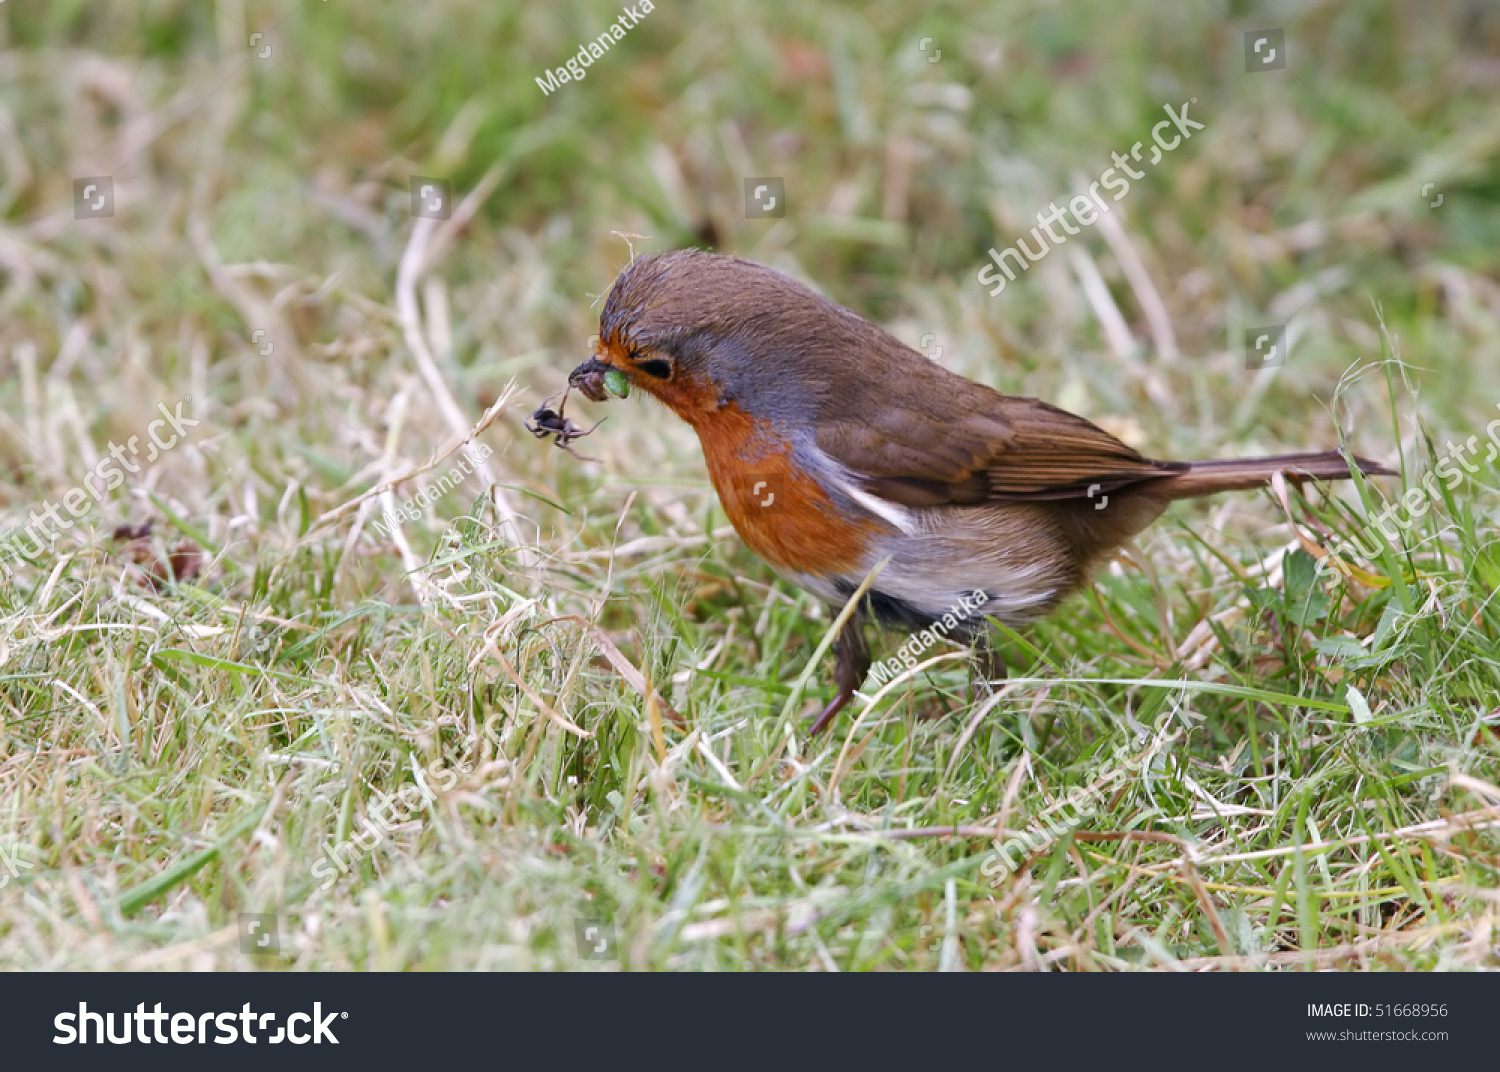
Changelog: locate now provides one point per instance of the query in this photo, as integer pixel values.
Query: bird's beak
(589, 379)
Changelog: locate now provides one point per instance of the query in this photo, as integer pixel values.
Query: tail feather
(1241, 474)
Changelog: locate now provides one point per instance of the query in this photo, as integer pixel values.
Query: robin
(833, 447)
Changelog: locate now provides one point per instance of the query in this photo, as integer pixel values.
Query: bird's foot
(829, 713)
(851, 662)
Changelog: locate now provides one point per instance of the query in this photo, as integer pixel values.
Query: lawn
(358, 654)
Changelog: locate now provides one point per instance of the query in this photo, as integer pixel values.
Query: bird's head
(701, 332)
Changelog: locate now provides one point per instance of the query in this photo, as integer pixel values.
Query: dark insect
(551, 422)
(184, 561)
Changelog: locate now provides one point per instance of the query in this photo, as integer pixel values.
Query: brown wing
(944, 439)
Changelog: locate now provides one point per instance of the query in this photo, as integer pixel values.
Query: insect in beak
(589, 379)
(546, 421)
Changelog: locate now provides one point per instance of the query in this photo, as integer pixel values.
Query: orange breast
(780, 512)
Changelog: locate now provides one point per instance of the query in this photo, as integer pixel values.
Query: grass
(1292, 769)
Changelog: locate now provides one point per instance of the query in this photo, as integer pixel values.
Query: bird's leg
(851, 662)
(988, 667)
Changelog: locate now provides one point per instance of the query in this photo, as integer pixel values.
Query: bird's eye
(656, 367)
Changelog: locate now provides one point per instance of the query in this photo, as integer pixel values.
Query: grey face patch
(772, 387)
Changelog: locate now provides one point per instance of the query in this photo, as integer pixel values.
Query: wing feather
(953, 441)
